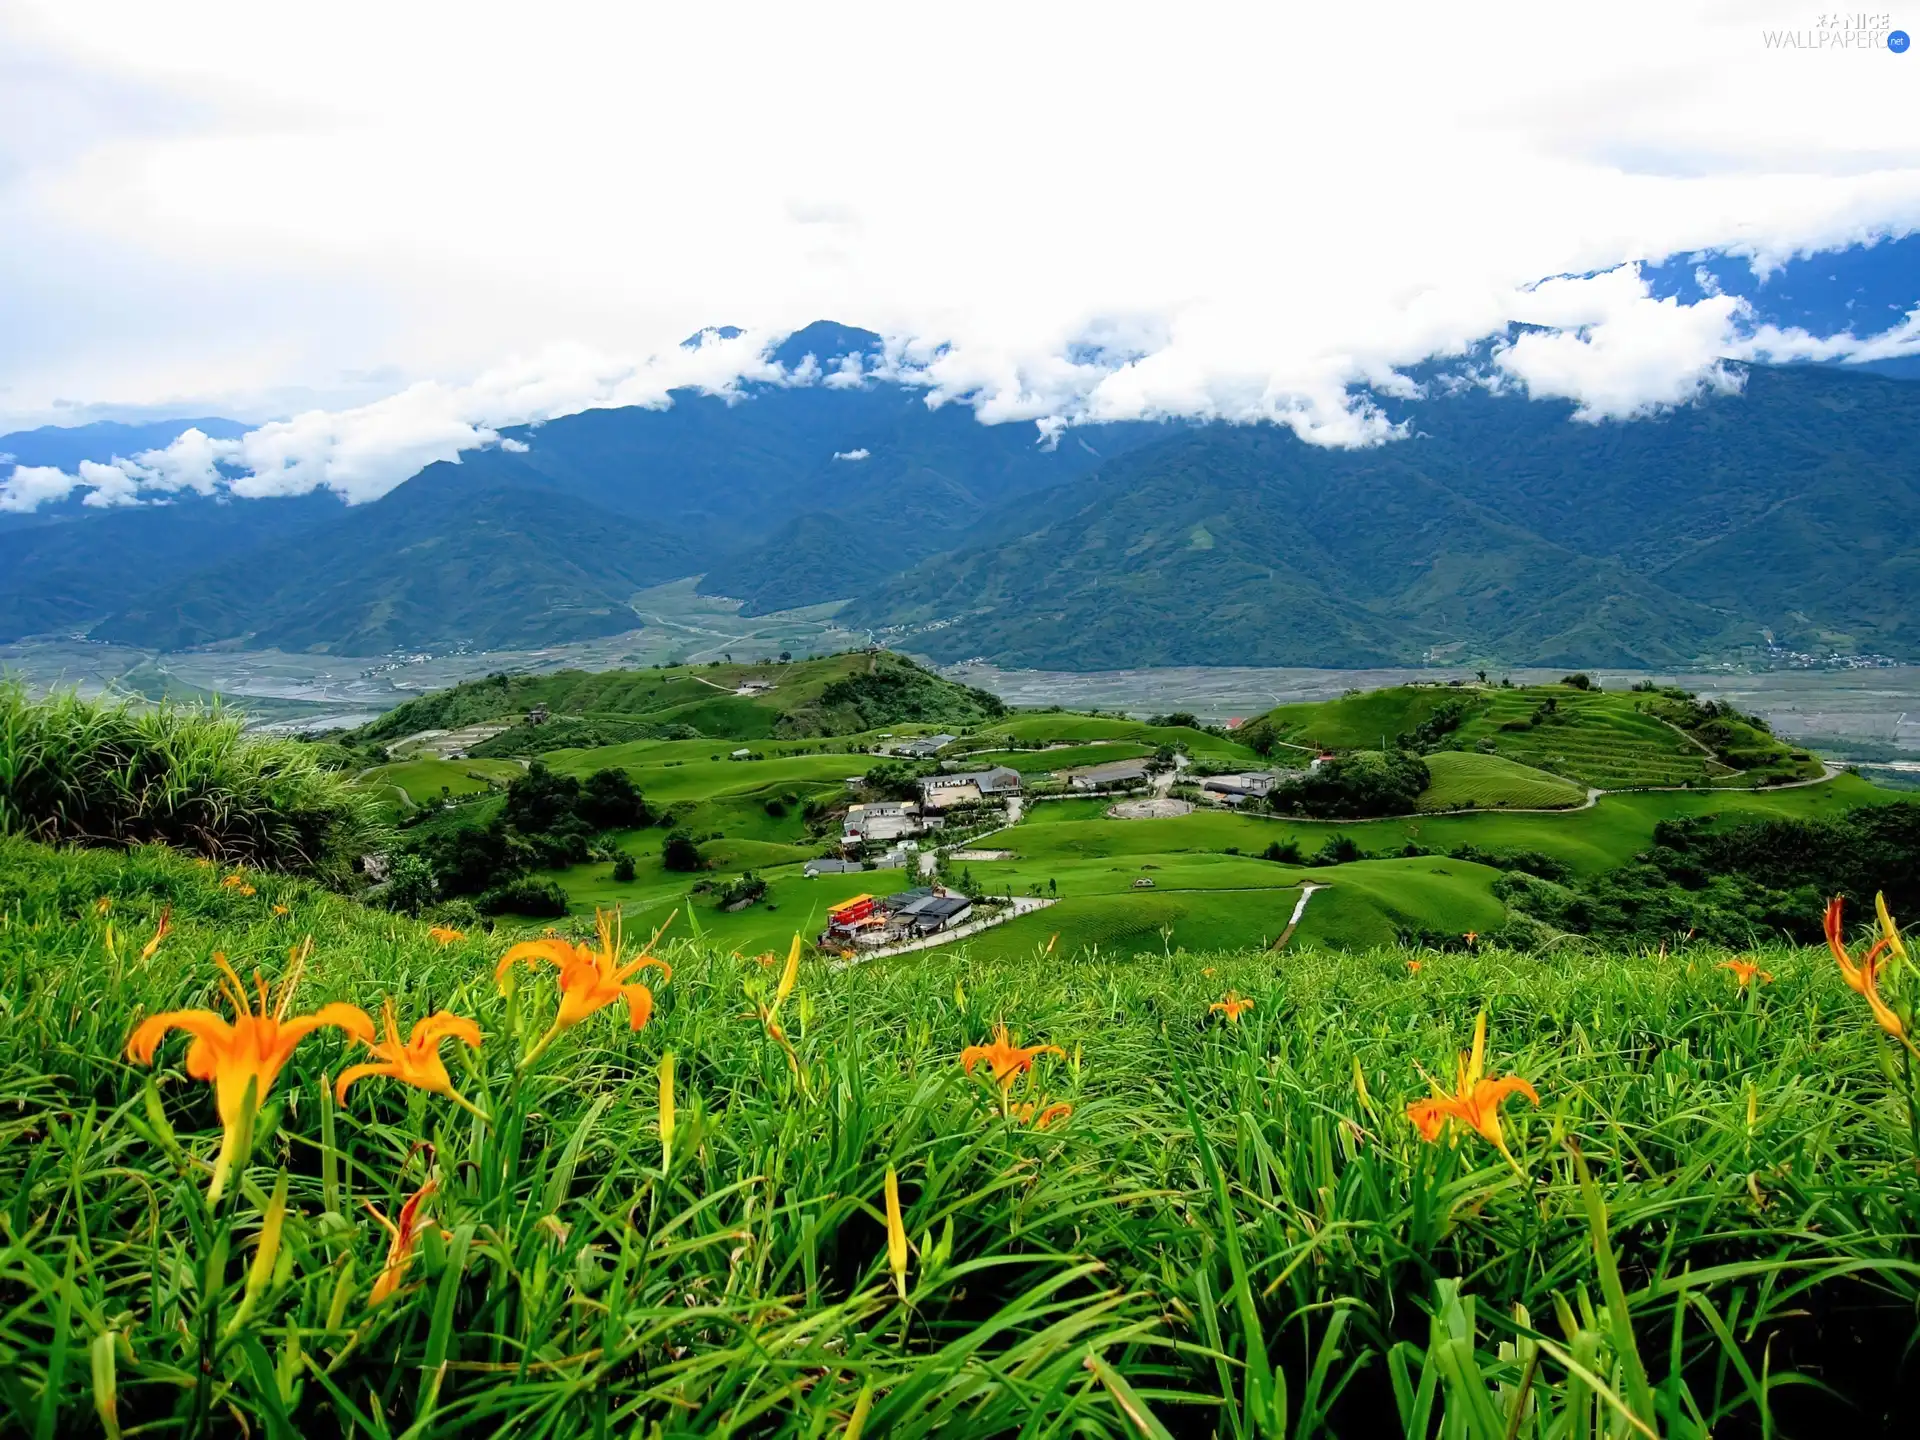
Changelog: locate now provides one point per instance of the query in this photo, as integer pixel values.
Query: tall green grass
(1710, 1225)
(108, 772)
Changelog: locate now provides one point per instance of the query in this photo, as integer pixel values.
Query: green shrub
(101, 772)
(526, 895)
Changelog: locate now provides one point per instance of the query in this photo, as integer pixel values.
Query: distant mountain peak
(829, 342)
(717, 332)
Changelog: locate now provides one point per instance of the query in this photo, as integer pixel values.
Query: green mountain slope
(1500, 529)
(461, 553)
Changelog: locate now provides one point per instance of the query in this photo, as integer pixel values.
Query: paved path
(1306, 894)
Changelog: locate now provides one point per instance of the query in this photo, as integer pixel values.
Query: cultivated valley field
(1514, 1110)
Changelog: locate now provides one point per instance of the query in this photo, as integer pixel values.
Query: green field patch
(425, 781)
(1047, 726)
(1466, 778)
(1046, 762)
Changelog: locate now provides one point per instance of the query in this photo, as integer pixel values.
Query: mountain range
(1500, 529)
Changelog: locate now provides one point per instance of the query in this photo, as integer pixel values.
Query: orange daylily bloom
(237, 881)
(1745, 971)
(401, 1238)
(1047, 1114)
(417, 1062)
(1004, 1057)
(1863, 977)
(590, 979)
(1413, 967)
(1233, 1007)
(1476, 1100)
(282, 910)
(1472, 937)
(160, 932)
(446, 934)
(250, 1048)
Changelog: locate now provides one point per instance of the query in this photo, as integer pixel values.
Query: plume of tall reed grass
(75, 770)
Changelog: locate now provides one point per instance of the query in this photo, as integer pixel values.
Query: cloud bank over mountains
(1605, 342)
(1056, 215)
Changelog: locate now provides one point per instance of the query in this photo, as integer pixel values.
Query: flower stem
(540, 1046)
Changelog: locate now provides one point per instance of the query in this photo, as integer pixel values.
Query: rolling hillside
(1612, 739)
(838, 694)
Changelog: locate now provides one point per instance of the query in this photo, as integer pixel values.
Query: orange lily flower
(1006, 1058)
(590, 979)
(1475, 1101)
(1233, 1007)
(248, 1050)
(237, 881)
(446, 934)
(1745, 971)
(401, 1238)
(417, 1062)
(282, 910)
(1472, 937)
(1026, 1115)
(1863, 977)
(1413, 967)
(160, 932)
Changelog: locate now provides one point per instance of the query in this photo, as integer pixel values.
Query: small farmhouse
(829, 866)
(1113, 775)
(1238, 789)
(938, 792)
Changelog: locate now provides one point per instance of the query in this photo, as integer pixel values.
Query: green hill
(1613, 739)
(835, 695)
(1464, 778)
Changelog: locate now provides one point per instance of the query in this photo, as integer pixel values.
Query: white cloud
(861, 454)
(1187, 237)
(29, 486)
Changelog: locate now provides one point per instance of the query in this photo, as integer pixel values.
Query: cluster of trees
(1733, 885)
(549, 820)
(1354, 787)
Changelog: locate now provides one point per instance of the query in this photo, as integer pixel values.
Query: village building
(858, 921)
(869, 923)
(1238, 789)
(925, 911)
(969, 787)
(1113, 775)
(923, 748)
(753, 687)
(881, 820)
(829, 866)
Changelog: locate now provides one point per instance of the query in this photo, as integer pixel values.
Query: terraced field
(1598, 740)
(1468, 779)
(1608, 739)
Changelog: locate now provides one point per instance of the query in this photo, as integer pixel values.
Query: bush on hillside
(1353, 787)
(101, 772)
(549, 820)
(680, 852)
(526, 895)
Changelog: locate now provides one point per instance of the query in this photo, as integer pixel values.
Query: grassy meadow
(1707, 1225)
